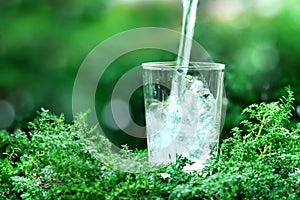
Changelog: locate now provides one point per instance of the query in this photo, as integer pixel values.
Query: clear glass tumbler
(183, 107)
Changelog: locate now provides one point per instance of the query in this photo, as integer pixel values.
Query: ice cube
(185, 126)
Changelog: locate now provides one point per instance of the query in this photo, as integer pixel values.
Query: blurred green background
(43, 43)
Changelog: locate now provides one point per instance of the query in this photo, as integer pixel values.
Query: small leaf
(8, 149)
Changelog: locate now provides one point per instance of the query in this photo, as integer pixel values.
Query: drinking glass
(183, 107)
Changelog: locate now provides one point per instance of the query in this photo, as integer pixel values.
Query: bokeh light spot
(265, 57)
(268, 8)
(7, 114)
(225, 10)
(264, 96)
(298, 110)
(23, 102)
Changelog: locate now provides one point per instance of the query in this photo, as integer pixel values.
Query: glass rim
(192, 65)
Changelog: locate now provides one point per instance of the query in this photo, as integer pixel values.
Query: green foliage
(54, 161)
(262, 159)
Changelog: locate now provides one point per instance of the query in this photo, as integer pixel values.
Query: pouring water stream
(184, 52)
(184, 122)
